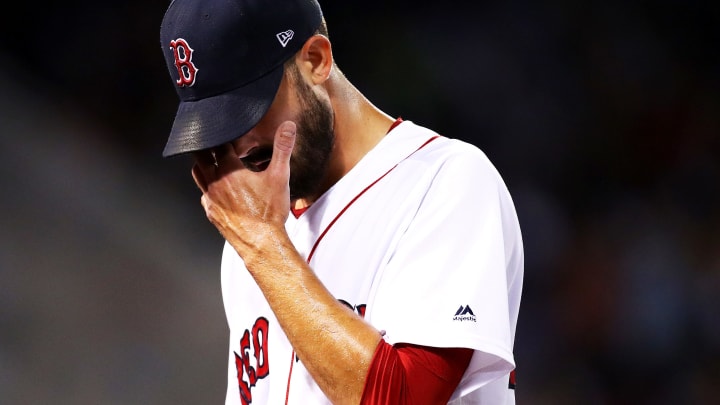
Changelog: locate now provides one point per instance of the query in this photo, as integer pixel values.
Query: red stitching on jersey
(322, 235)
(287, 390)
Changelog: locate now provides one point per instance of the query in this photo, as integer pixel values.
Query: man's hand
(243, 204)
(249, 209)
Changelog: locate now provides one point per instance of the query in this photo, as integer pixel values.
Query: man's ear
(315, 59)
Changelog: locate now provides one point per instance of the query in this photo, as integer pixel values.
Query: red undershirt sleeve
(412, 374)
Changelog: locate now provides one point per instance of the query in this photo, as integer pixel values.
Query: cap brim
(213, 121)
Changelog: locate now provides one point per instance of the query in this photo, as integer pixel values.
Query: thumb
(283, 145)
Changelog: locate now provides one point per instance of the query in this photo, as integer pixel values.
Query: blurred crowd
(603, 117)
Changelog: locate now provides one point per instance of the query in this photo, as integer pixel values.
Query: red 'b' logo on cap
(183, 62)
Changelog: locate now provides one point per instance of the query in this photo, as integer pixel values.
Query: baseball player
(367, 259)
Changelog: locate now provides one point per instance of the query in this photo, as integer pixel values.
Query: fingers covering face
(203, 170)
(211, 164)
(283, 145)
(225, 157)
(199, 178)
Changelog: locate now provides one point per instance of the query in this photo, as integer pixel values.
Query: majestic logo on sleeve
(183, 62)
(464, 313)
(252, 361)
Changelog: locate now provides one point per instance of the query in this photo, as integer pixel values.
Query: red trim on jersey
(416, 375)
(322, 235)
(299, 211)
(397, 122)
(287, 390)
(324, 232)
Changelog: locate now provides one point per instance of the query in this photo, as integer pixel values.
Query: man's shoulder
(409, 131)
(445, 149)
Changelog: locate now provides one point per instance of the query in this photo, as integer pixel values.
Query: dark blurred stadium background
(603, 116)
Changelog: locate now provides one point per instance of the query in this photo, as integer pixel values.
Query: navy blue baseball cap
(225, 58)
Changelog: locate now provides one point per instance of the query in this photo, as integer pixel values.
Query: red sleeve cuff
(412, 374)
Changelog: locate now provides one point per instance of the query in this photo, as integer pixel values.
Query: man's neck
(359, 126)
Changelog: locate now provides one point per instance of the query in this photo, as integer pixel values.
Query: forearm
(335, 345)
(250, 209)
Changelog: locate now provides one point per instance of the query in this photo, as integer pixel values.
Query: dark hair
(323, 30)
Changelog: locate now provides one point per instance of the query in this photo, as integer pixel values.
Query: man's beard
(313, 144)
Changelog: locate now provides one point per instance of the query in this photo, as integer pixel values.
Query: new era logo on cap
(285, 37)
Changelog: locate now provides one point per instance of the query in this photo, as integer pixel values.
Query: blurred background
(602, 116)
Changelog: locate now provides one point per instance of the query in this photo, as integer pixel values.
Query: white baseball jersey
(422, 239)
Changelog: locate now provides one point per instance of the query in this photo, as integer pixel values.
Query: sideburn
(314, 145)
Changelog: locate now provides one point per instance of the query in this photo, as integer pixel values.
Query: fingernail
(288, 128)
